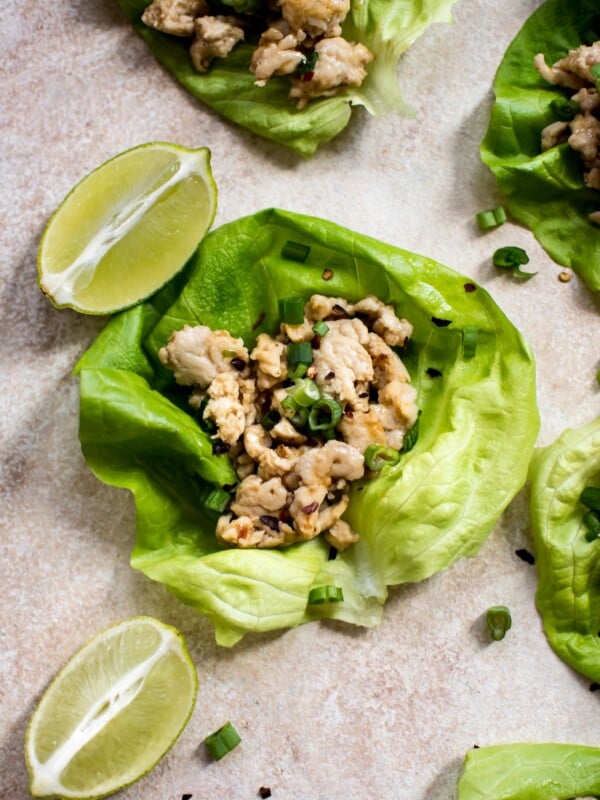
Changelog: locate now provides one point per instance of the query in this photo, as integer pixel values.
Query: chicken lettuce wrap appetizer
(543, 139)
(288, 70)
(531, 772)
(306, 416)
(565, 518)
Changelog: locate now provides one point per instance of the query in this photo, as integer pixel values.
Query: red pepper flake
(327, 274)
(470, 287)
(308, 76)
(310, 508)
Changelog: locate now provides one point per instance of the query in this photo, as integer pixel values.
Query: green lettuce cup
(229, 89)
(568, 594)
(475, 381)
(530, 772)
(544, 190)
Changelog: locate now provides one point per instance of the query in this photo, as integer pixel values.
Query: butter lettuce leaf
(478, 426)
(568, 594)
(387, 29)
(545, 771)
(544, 191)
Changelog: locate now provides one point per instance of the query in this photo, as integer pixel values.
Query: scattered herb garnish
(469, 341)
(512, 258)
(324, 414)
(291, 310)
(490, 219)
(595, 73)
(322, 594)
(320, 328)
(378, 456)
(564, 108)
(308, 64)
(294, 251)
(498, 620)
(222, 741)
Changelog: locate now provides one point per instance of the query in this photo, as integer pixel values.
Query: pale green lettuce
(544, 191)
(530, 772)
(478, 426)
(386, 28)
(568, 595)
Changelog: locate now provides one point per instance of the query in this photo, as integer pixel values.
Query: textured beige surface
(326, 712)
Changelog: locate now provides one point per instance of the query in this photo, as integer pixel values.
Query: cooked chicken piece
(174, 16)
(573, 70)
(556, 75)
(225, 407)
(319, 306)
(592, 179)
(394, 331)
(387, 365)
(316, 17)
(585, 138)
(588, 99)
(319, 465)
(276, 53)
(243, 464)
(298, 333)
(342, 364)
(278, 461)
(257, 498)
(362, 428)
(554, 134)
(284, 431)
(252, 532)
(397, 410)
(304, 509)
(196, 354)
(339, 63)
(341, 535)
(271, 358)
(215, 38)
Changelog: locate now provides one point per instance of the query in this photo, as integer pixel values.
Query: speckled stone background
(326, 711)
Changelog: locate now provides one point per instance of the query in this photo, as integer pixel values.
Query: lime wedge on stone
(127, 228)
(112, 712)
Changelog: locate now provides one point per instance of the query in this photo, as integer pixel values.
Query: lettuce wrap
(530, 772)
(387, 29)
(568, 594)
(544, 190)
(478, 426)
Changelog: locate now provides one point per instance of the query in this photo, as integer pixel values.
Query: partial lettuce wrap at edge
(478, 426)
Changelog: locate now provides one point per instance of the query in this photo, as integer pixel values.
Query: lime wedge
(127, 228)
(112, 712)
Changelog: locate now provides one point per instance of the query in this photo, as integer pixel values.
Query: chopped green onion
(217, 500)
(305, 392)
(207, 424)
(291, 310)
(229, 353)
(564, 108)
(324, 414)
(289, 405)
(592, 522)
(469, 341)
(590, 497)
(320, 328)
(295, 251)
(490, 219)
(498, 621)
(308, 64)
(222, 741)
(270, 419)
(410, 439)
(299, 353)
(299, 371)
(512, 258)
(377, 456)
(329, 594)
(595, 73)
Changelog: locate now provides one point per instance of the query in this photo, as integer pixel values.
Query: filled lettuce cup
(288, 71)
(545, 771)
(542, 142)
(413, 505)
(565, 519)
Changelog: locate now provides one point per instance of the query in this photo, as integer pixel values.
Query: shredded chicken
(276, 53)
(215, 38)
(294, 484)
(583, 131)
(176, 17)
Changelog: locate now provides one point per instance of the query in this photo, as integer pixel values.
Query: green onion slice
(291, 310)
(222, 741)
(564, 108)
(469, 341)
(304, 392)
(490, 219)
(299, 371)
(217, 500)
(498, 621)
(326, 594)
(295, 251)
(512, 258)
(308, 63)
(324, 414)
(270, 419)
(595, 73)
(299, 353)
(590, 497)
(320, 328)
(377, 456)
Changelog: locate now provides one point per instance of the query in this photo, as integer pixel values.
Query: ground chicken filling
(302, 415)
(302, 39)
(576, 72)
